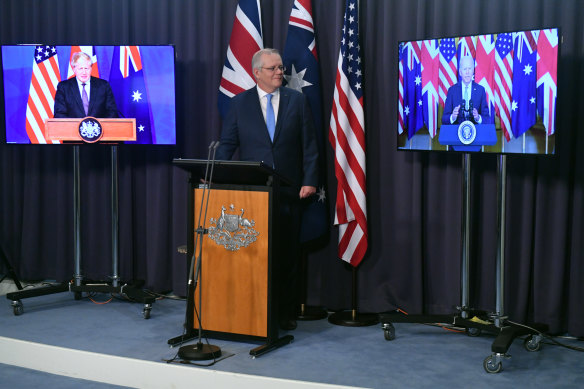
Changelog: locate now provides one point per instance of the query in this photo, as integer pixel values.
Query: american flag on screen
(347, 137)
(547, 77)
(87, 50)
(448, 68)
(302, 73)
(484, 70)
(401, 122)
(246, 39)
(504, 81)
(41, 95)
(430, 68)
(523, 105)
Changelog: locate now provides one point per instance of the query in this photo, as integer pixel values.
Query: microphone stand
(200, 351)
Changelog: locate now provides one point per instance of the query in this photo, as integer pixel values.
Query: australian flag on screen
(302, 73)
(129, 88)
(523, 105)
(413, 110)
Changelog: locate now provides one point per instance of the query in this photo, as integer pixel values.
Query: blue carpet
(420, 357)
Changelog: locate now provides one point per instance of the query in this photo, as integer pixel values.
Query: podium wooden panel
(234, 284)
(67, 129)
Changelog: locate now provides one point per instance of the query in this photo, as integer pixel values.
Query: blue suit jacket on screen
(454, 98)
(68, 102)
(293, 153)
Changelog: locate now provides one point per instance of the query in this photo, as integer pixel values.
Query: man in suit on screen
(273, 124)
(84, 95)
(466, 100)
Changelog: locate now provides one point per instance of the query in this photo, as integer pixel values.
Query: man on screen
(273, 124)
(84, 95)
(466, 100)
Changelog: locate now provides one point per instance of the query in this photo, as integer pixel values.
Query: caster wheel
(388, 331)
(491, 366)
(146, 311)
(472, 331)
(532, 344)
(17, 308)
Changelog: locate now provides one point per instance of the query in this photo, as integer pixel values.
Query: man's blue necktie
(270, 117)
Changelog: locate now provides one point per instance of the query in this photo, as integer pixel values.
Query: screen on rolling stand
(492, 93)
(142, 80)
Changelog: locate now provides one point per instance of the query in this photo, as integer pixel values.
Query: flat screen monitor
(492, 93)
(141, 79)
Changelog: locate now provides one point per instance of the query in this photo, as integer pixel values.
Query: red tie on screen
(85, 99)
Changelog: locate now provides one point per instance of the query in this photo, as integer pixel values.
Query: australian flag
(129, 88)
(523, 106)
(413, 109)
(302, 73)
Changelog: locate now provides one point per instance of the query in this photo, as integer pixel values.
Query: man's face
(82, 69)
(466, 70)
(269, 77)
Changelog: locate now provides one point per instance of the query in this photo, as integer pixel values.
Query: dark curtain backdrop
(414, 199)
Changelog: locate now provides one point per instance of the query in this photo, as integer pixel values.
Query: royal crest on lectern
(90, 130)
(232, 230)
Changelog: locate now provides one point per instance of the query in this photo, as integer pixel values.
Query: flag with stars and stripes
(401, 120)
(302, 74)
(523, 104)
(347, 137)
(504, 81)
(246, 40)
(41, 96)
(129, 88)
(448, 68)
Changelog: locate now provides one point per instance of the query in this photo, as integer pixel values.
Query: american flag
(87, 50)
(41, 95)
(401, 123)
(448, 65)
(301, 61)
(246, 39)
(430, 68)
(504, 81)
(547, 81)
(484, 70)
(347, 137)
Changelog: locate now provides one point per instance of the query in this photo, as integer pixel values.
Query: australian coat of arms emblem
(232, 230)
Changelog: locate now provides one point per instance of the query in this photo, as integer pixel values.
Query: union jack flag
(484, 70)
(41, 95)
(430, 69)
(448, 65)
(246, 40)
(504, 81)
(547, 73)
(347, 137)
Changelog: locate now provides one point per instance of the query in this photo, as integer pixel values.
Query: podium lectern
(486, 135)
(114, 129)
(237, 284)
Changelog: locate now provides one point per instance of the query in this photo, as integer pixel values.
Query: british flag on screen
(246, 39)
(347, 137)
(547, 81)
(41, 95)
(448, 68)
(430, 68)
(484, 70)
(504, 81)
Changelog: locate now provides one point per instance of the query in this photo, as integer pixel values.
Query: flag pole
(352, 317)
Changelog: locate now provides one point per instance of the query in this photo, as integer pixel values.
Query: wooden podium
(67, 130)
(236, 284)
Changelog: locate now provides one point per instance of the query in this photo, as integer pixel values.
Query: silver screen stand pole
(115, 225)
(76, 217)
(500, 266)
(465, 235)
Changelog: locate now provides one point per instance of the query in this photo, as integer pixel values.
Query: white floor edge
(131, 372)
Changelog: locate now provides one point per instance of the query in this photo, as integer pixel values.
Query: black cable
(549, 337)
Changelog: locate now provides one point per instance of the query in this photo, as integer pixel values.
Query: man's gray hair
(256, 60)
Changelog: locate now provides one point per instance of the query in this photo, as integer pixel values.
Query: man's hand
(307, 191)
(455, 111)
(475, 114)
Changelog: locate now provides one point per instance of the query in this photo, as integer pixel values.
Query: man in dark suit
(464, 95)
(273, 124)
(84, 95)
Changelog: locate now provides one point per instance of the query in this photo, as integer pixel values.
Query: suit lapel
(284, 100)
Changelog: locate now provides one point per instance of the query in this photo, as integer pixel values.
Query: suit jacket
(293, 153)
(454, 98)
(68, 102)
